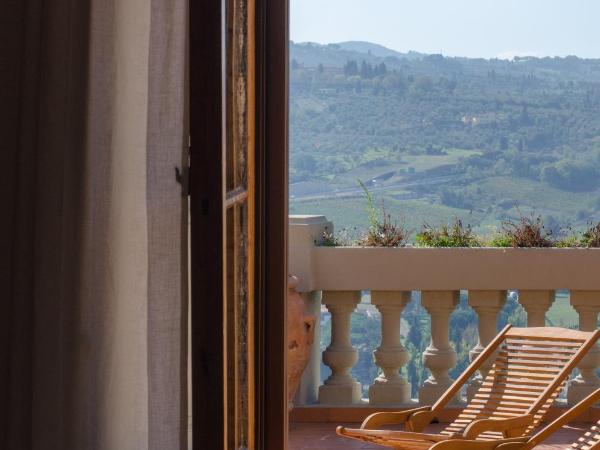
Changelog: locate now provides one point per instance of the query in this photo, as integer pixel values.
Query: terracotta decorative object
(301, 334)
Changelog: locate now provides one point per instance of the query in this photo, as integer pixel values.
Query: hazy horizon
(469, 28)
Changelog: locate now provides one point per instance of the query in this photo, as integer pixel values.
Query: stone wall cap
(306, 219)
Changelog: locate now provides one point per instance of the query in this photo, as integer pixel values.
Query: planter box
(357, 268)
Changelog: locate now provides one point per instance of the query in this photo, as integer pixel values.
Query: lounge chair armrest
(375, 420)
(512, 427)
(469, 444)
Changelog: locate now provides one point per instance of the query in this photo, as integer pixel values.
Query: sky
(472, 28)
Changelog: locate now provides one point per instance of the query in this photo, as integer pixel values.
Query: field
(378, 162)
(509, 197)
(351, 213)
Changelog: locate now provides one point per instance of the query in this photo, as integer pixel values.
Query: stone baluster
(439, 357)
(391, 356)
(340, 388)
(487, 305)
(587, 305)
(536, 304)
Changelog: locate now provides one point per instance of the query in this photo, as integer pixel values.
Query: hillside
(439, 137)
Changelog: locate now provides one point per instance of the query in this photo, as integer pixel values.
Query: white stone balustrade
(587, 305)
(335, 277)
(439, 357)
(340, 388)
(390, 387)
(487, 305)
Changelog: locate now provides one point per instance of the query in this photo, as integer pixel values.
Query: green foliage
(344, 238)
(382, 232)
(572, 175)
(591, 237)
(454, 235)
(561, 313)
(463, 335)
(306, 163)
(499, 240)
(512, 313)
(329, 240)
(365, 337)
(417, 340)
(371, 210)
(527, 232)
(567, 242)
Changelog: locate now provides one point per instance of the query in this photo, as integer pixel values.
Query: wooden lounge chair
(531, 366)
(589, 441)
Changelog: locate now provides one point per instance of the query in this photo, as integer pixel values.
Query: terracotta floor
(321, 436)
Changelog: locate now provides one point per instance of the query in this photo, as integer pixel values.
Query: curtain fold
(93, 274)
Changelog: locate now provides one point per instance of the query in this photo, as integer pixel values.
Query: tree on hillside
(572, 175)
(423, 84)
(351, 69)
(306, 163)
(380, 69)
(366, 70)
(524, 118)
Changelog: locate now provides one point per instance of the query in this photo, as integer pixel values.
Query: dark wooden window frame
(272, 40)
(206, 207)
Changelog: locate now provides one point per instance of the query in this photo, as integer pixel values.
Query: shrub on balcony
(385, 234)
(591, 237)
(455, 235)
(524, 232)
(568, 242)
(344, 238)
(499, 239)
(383, 231)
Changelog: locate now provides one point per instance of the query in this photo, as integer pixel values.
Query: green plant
(382, 231)
(591, 237)
(371, 210)
(527, 232)
(569, 239)
(328, 239)
(568, 242)
(500, 240)
(454, 235)
(343, 238)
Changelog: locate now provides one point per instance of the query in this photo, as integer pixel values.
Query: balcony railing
(336, 276)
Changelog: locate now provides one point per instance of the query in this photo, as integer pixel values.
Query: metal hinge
(183, 177)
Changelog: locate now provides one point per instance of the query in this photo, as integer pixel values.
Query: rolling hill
(438, 137)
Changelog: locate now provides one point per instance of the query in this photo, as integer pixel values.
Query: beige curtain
(92, 259)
